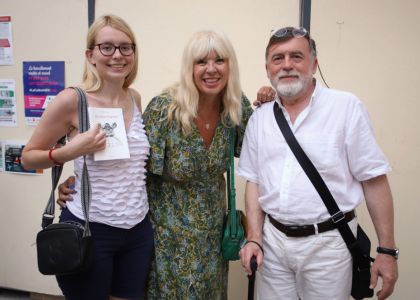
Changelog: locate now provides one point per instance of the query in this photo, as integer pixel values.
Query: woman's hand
(265, 94)
(88, 142)
(65, 190)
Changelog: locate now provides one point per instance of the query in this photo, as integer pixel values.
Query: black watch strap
(389, 251)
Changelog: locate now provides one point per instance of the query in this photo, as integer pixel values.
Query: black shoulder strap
(48, 214)
(86, 193)
(336, 214)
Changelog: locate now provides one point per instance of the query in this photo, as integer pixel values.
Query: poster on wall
(12, 158)
(42, 81)
(7, 103)
(2, 157)
(6, 45)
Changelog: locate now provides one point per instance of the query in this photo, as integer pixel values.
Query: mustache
(283, 73)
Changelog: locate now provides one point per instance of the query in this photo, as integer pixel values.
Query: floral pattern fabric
(187, 199)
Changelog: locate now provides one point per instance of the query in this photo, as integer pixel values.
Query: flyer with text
(12, 158)
(6, 44)
(42, 81)
(8, 116)
(112, 123)
(2, 157)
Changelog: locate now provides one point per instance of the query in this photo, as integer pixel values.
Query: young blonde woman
(121, 231)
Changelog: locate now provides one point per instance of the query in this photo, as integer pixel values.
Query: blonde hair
(184, 106)
(91, 79)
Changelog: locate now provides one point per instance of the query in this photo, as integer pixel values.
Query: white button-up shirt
(335, 132)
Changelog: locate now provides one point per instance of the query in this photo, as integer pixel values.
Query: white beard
(290, 89)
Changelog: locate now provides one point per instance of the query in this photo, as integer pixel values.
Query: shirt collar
(317, 91)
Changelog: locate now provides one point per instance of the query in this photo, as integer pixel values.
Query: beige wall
(367, 47)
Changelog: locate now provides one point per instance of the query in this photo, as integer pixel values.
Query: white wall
(367, 47)
(42, 30)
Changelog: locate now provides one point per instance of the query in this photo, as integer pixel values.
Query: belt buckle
(337, 217)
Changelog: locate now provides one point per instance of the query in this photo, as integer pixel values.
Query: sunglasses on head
(290, 31)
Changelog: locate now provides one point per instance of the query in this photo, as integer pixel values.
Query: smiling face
(290, 67)
(116, 66)
(211, 75)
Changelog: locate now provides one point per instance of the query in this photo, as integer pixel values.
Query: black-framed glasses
(108, 49)
(291, 31)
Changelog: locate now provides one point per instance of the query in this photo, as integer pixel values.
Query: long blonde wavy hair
(184, 106)
(91, 79)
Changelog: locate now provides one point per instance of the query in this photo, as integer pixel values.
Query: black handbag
(65, 248)
(359, 247)
(233, 228)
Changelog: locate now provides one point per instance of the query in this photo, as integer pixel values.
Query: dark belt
(305, 230)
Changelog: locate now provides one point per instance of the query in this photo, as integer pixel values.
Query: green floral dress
(187, 198)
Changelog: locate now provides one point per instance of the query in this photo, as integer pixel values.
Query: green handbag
(233, 230)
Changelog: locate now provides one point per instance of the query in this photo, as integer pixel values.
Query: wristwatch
(389, 251)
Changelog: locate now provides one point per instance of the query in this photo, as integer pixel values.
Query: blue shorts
(122, 259)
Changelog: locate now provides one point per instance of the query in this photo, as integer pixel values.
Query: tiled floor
(13, 295)
(7, 294)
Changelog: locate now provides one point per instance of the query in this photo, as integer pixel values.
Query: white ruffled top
(119, 196)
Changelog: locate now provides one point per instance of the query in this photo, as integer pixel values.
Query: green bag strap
(231, 183)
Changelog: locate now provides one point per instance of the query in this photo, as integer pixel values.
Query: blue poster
(42, 81)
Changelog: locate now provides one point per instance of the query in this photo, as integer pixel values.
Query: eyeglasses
(108, 49)
(293, 31)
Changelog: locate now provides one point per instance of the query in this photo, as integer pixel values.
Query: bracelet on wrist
(57, 163)
(258, 244)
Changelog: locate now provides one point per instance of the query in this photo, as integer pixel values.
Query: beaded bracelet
(52, 159)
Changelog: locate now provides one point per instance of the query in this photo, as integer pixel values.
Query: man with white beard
(304, 255)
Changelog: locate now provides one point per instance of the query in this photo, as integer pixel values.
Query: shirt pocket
(323, 151)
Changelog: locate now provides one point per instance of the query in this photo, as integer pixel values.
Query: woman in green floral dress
(188, 130)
